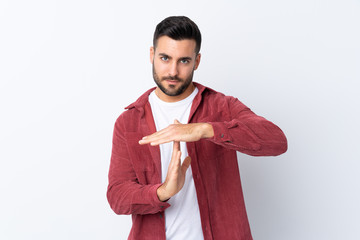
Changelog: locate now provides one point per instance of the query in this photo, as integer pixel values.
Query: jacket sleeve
(125, 194)
(247, 132)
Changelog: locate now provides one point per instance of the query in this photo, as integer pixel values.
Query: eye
(164, 58)
(184, 61)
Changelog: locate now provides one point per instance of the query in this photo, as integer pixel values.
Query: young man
(174, 164)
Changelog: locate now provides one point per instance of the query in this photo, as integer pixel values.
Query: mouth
(172, 81)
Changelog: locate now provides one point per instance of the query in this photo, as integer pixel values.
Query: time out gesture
(177, 133)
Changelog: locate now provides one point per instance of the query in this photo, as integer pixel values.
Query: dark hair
(178, 28)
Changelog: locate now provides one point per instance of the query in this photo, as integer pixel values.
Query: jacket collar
(143, 99)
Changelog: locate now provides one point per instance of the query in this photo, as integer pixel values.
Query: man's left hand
(179, 132)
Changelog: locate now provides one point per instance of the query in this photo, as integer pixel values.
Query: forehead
(171, 47)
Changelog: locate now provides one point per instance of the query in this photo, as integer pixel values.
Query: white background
(68, 68)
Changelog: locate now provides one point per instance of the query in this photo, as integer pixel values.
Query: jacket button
(222, 135)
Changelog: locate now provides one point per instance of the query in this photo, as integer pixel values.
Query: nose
(173, 69)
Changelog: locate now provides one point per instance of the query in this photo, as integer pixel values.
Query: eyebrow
(164, 55)
(186, 58)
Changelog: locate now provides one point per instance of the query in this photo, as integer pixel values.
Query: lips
(172, 81)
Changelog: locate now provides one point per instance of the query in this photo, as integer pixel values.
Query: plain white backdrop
(68, 68)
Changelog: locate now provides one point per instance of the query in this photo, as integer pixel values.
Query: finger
(175, 159)
(186, 163)
(176, 154)
(149, 138)
(163, 136)
(157, 140)
(157, 133)
(176, 146)
(152, 138)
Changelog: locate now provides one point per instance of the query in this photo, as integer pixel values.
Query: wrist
(161, 194)
(208, 131)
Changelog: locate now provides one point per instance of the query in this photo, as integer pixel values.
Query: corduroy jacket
(135, 170)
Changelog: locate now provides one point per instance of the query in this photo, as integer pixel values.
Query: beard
(172, 90)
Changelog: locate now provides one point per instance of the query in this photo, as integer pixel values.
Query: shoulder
(213, 96)
(212, 101)
(141, 101)
(134, 111)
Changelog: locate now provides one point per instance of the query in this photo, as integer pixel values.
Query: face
(174, 62)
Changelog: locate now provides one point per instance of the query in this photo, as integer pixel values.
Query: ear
(152, 54)
(197, 61)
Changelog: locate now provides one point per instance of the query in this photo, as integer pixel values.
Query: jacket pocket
(141, 158)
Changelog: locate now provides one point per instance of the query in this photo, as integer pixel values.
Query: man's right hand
(175, 177)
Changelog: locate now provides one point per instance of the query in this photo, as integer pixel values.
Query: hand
(175, 177)
(179, 132)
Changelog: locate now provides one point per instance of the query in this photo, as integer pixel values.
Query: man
(174, 164)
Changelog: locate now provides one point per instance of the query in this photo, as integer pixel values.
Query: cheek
(159, 68)
(186, 70)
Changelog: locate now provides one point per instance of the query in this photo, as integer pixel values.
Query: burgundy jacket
(135, 170)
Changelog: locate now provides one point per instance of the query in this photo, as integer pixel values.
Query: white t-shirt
(182, 218)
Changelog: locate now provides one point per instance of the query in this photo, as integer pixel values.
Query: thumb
(186, 163)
